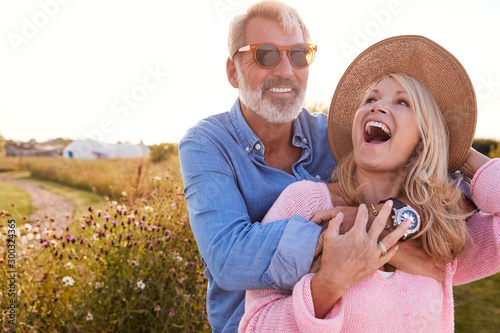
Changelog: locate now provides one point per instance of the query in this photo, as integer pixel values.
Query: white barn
(88, 149)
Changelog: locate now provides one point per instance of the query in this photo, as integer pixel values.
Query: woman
(419, 98)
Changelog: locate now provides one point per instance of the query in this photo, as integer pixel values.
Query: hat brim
(422, 59)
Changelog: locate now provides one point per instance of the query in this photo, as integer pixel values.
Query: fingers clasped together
(348, 258)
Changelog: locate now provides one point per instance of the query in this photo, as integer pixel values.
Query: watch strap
(397, 204)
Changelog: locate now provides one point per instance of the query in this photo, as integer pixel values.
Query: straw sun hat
(422, 59)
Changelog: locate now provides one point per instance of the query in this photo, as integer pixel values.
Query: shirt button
(257, 146)
(247, 148)
(304, 140)
(318, 177)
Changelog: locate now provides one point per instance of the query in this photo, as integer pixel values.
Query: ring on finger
(382, 247)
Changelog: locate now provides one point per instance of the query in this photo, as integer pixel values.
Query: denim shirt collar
(250, 141)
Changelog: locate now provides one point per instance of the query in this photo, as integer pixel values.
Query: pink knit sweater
(402, 303)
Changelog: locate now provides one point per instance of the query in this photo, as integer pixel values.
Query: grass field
(134, 260)
(12, 194)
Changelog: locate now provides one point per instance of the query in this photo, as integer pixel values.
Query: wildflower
(106, 216)
(27, 227)
(91, 209)
(68, 281)
(121, 208)
(148, 209)
(134, 263)
(124, 194)
(83, 226)
(157, 308)
(153, 227)
(168, 177)
(98, 285)
(113, 222)
(178, 258)
(89, 317)
(171, 312)
(69, 265)
(95, 237)
(99, 213)
(114, 203)
(141, 284)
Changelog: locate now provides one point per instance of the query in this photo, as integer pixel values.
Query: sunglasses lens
(267, 55)
(301, 55)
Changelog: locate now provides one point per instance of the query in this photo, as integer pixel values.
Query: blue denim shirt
(228, 189)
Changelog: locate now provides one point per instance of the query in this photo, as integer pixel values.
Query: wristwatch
(403, 212)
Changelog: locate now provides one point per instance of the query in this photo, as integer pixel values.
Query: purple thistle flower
(106, 216)
(91, 208)
(45, 244)
(99, 213)
(114, 222)
(83, 226)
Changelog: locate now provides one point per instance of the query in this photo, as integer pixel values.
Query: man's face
(276, 94)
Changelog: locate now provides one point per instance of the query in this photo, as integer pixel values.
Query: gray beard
(276, 110)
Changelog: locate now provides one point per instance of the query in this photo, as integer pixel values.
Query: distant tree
(2, 146)
(494, 153)
(315, 106)
(163, 151)
(484, 146)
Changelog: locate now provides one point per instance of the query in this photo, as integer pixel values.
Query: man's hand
(411, 258)
(322, 218)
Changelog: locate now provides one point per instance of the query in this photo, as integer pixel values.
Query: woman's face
(385, 130)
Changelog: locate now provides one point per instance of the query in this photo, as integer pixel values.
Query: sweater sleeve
(481, 256)
(281, 311)
(302, 198)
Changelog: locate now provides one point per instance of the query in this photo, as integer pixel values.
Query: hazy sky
(130, 70)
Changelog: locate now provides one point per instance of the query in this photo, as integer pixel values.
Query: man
(235, 164)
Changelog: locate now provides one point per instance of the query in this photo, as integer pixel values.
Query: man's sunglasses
(268, 55)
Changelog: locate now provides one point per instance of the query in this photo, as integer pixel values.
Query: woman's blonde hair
(427, 183)
(278, 11)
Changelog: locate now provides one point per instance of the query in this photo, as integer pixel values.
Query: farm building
(88, 149)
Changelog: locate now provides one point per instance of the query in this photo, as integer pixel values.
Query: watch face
(412, 216)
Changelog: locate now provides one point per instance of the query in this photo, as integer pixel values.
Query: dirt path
(49, 204)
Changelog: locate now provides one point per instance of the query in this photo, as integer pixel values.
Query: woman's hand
(349, 258)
